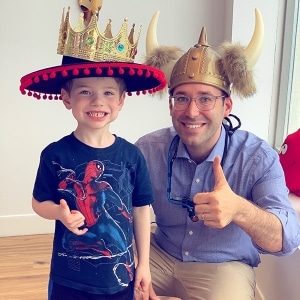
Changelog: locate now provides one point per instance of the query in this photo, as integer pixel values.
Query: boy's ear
(122, 99)
(65, 98)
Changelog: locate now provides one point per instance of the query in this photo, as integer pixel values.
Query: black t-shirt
(103, 184)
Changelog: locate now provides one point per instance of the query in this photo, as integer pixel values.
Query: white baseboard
(14, 225)
(25, 225)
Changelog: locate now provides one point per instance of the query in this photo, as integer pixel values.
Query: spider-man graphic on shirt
(103, 210)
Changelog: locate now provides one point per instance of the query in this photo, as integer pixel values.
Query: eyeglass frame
(190, 99)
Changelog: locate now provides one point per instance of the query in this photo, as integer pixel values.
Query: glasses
(185, 202)
(204, 102)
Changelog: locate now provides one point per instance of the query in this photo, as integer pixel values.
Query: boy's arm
(52, 211)
(141, 227)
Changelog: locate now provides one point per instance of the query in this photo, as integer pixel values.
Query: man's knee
(166, 285)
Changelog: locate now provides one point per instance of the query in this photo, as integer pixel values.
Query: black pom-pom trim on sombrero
(47, 83)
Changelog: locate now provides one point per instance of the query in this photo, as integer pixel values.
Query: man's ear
(65, 98)
(170, 106)
(228, 106)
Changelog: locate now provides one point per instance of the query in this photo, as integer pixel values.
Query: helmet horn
(151, 37)
(253, 50)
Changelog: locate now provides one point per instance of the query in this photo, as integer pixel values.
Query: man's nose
(192, 109)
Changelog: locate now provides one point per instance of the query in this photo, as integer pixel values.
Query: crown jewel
(88, 43)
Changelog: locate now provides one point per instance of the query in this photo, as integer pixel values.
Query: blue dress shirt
(253, 171)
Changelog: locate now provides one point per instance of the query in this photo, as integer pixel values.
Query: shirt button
(191, 232)
(197, 180)
(186, 253)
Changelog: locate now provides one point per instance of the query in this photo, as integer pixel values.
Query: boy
(93, 183)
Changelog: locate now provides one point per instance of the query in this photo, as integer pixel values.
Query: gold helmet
(229, 68)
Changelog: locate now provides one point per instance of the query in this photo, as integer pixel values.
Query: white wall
(259, 113)
(255, 112)
(278, 278)
(29, 35)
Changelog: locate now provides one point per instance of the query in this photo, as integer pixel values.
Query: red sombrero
(89, 53)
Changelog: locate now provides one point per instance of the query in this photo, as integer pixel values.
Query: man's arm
(263, 227)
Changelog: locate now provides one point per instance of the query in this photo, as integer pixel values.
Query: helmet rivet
(192, 75)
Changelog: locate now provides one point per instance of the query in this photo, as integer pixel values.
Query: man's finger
(220, 178)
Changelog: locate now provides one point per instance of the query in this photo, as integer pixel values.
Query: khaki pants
(200, 281)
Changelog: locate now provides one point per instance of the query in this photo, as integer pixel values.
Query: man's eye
(182, 99)
(205, 99)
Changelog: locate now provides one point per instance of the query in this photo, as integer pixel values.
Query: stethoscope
(187, 202)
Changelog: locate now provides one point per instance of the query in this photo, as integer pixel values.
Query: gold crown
(88, 43)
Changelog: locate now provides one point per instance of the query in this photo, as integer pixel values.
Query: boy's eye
(85, 92)
(108, 93)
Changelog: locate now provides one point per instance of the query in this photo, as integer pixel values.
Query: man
(220, 194)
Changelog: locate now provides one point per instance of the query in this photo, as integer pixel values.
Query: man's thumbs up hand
(216, 208)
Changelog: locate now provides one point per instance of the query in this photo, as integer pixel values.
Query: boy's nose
(97, 100)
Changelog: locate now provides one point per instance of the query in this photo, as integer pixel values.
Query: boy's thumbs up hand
(72, 219)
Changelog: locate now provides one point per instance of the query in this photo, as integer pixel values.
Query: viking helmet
(229, 68)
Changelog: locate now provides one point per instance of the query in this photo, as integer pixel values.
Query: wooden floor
(24, 267)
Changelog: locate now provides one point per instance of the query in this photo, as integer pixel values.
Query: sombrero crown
(88, 52)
